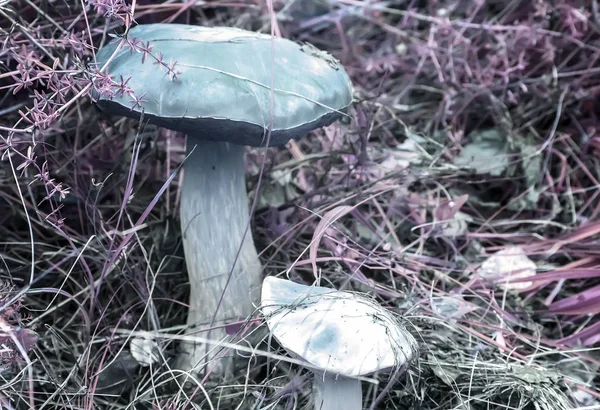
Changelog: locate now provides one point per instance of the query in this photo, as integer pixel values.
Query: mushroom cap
(335, 331)
(224, 90)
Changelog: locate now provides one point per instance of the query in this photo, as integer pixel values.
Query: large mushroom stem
(336, 392)
(214, 215)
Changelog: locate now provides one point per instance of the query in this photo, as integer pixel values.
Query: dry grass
(390, 202)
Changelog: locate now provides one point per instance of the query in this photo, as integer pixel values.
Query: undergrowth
(475, 129)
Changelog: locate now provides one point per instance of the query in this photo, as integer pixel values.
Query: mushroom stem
(336, 392)
(214, 215)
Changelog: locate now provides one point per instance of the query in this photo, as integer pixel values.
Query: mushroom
(340, 335)
(229, 87)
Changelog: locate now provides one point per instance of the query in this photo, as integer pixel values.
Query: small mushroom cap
(224, 90)
(338, 332)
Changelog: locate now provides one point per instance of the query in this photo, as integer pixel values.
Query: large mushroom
(340, 335)
(231, 87)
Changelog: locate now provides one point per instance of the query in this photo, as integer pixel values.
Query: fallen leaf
(144, 350)
(457, 226)
(487, 153)
(452, 306)
(448, 208)
(509, 263)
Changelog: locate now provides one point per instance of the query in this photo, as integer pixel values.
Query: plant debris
(506, 265)
(475, 131)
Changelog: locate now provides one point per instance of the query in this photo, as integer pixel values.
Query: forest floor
(472, 152)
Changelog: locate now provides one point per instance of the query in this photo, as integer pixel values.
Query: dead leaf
(487, 153)
(458, 226)
(448, 208)
(452, 306)
(509, 263)
(144, 350)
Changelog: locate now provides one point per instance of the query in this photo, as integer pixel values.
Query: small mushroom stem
(335, 392)
(214, 214)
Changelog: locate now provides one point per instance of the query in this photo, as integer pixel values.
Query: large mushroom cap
(224, 89)
(338, 332)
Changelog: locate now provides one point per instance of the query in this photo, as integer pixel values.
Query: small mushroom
(341, 335)
(224, 88)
